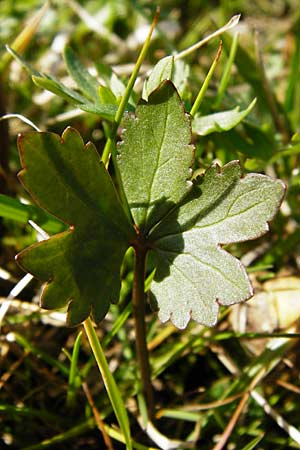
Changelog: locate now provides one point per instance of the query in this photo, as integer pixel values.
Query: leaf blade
(105, 111)
(81, 265)
(163, 70)
(220, 121)
(155, 168)
(194, 274)
(57, 88)
(87, 84)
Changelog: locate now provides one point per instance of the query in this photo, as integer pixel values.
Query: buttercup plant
(156, 206)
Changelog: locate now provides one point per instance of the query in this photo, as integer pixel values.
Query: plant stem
(140, 327)
(109, 146)
(226, 73)
(205, 84)
(111, 387)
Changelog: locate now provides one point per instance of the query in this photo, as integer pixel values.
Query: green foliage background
(192, 369)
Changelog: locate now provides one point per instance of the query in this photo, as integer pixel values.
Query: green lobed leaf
(81, 266)
(194, 273)
(221, 121)
(184, 223)
(155, 156)
(186, 226)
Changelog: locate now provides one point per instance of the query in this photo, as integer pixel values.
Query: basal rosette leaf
(194, 273)
(156, 156)
(186, 225)
(81, 266)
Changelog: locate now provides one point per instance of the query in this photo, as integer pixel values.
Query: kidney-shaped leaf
(82, 265)
(194, 273)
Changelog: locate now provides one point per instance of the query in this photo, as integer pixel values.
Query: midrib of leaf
(171, 262)
(227, 216)
(204, 263)
(192, 222)
(211, 224)
(244, 210)
(215, 268)
(158, 157)
(235, 200)
(201, 227)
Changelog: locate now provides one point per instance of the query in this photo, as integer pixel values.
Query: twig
(6, 376)
(231, 424)
(98, 420)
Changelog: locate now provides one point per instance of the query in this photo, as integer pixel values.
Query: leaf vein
(158, 156)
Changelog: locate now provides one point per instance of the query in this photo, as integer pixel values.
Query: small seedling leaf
(86, 83)
(82, 265)
(106, 96)
(111, 80)
(105, 111)
(163, 70)
(57, 88)
(89, 101)
(30, 69)
(219, 122)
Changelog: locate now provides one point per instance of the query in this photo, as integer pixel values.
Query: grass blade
(73, 375)
(109, 382)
